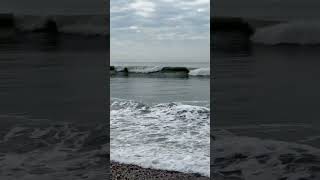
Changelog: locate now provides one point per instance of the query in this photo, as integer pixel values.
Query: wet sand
(133, 172)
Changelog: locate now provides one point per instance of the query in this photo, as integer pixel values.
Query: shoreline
(121, 171)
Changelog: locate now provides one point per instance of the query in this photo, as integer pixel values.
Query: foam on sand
(169, 136)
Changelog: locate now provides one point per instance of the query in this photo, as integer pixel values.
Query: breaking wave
(69, 24)
(159, 71)
(200, 72)
(169, 136)
(295, 33)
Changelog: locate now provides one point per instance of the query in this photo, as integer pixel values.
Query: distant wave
(294, 33)
(169, 136)
(159, 71)
(246, 158)
(274, 32)
(239, 24)
(69, 24)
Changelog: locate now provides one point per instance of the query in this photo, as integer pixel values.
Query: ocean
(52, 91)
(160, 115)
(266, 97)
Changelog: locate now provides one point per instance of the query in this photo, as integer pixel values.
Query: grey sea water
(267, 91)
(162, 122)
(52, 108)
(265, 103)
(52, 77)
(155, 90)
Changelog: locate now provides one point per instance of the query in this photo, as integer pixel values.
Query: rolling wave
(291, 33)
(68, 24)
(200, 72)
(273, 32)
(159, 71)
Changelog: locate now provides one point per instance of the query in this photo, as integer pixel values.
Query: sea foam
(171, 136)
(59, 151)
(200, 72)
(249, 158)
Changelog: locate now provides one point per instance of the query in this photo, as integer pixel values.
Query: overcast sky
(160, 30)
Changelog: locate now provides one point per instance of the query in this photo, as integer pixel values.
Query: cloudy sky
(160, 30)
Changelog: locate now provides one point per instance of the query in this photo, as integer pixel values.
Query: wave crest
(159, 71)
(68, 24)
(200, 72)
(296, 33)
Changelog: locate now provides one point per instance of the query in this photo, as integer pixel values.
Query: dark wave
(66, 24)
(231, 24)
(158, 71)
(247, 26)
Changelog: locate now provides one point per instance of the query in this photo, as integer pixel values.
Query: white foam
(298, 32)
(140, 69)
(252, 158)
(60, 151)
(200, 72)
(165, 136)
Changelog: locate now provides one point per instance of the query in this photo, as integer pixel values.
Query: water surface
(267, 91)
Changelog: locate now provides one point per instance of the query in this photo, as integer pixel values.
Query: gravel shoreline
(133, 172)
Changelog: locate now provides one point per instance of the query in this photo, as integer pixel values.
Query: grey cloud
(161, 28)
